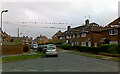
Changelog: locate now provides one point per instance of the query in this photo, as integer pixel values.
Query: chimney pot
(68, 27)
(87, 22)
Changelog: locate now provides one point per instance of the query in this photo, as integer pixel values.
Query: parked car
(51, 50)
(40, 48)
(44, 48)
(35, 46)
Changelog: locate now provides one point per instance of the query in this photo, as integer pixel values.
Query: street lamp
(1, 29)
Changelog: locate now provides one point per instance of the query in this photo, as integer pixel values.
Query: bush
(66, 46)
(111, 48)
(58, 43)
(87, 49)
(106, 48)
(41, 44)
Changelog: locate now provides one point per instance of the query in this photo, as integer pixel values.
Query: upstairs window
(113, 32)
(83, 35)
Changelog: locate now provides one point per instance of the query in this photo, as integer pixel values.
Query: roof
(113, 24)
(56, 34)
(84, 28)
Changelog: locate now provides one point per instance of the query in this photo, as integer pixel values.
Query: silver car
(51, 51)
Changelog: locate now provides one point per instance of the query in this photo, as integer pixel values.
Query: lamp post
(1, 29)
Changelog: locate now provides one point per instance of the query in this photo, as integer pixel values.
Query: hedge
(87, 49)
(107, 48)
(66, 46)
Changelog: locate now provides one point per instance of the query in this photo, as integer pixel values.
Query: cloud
(67, 11)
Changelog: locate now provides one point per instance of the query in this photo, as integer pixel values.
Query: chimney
(68, 28)
(87, 22)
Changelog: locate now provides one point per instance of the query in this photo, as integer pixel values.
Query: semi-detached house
(85, 35)
(92, 34)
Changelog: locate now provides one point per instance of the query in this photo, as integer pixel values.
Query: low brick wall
(12, 49)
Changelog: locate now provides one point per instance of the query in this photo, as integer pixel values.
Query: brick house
(55, 36)
(5, 37)
(88, 34)
(41, 39)
(23, 39)
(111, 33)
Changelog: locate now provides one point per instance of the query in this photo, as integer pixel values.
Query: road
(65, 62)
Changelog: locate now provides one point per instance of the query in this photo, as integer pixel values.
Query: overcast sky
(55, 11)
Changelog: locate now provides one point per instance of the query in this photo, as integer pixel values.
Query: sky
(43, 17)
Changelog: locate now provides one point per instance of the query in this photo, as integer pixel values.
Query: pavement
(106, 57)
(65, 62)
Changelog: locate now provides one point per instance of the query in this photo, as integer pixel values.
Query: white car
(51, 51)
(35, 46)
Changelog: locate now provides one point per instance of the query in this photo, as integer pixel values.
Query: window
(113, 42)
(83, 43)
(113, 32)
(78, 35)
(83, 35)
(73, 36)
(77, 43)
(60, 37)
(95, 44)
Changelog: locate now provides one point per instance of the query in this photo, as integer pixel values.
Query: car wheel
(56, 55)
(45, 55)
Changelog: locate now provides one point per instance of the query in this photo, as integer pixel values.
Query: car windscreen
(51, 48)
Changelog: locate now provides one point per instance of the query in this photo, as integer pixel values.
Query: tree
(12, 40)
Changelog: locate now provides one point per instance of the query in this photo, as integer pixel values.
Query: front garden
(106, 49)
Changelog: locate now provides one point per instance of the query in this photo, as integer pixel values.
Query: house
(41, 39)
(6, 37)
(25, 39)
(88, 34)
(55, 36)
(111, 33)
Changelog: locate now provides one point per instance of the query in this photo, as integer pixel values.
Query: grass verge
(95, 56)
(89, 55)
(115, 59)
(40, 53)
(20, 57)
(59, 50)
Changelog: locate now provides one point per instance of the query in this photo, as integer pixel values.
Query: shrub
(58, 43)
(87, 49)
(66, 46)
(110, 48)
(41, 44)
